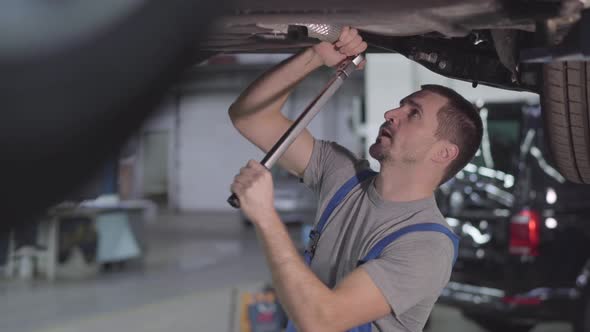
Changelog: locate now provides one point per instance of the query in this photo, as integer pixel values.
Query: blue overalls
(376, 250)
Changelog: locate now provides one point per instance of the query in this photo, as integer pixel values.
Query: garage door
(210, 152)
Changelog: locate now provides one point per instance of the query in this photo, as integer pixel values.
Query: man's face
(408, 134)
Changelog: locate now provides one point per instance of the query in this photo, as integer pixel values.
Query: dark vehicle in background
(524, 254)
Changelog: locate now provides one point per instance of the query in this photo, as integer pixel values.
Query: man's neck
(404, 184)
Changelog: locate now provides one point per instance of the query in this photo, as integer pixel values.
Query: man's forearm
(302, 294)
(270, 91)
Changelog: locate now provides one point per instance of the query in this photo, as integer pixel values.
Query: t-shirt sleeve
(330, 165)
(411, 269)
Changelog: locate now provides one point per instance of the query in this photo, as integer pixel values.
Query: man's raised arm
(257, 111)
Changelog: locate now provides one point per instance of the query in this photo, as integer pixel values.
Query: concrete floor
(193, 272)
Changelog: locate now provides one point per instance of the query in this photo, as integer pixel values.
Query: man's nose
(392, 116)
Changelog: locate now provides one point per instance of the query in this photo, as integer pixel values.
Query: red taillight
(522, 300)
(524, 233)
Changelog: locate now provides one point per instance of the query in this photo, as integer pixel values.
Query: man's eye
(414, 113)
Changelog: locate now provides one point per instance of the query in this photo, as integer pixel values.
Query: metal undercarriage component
(455, 18)
(474, 40)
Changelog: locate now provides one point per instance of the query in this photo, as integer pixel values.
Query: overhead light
(551, 196)
(483, 224)
(551, 223)
(508, 181)
(452, 222)
(485, 171)
(456, 200)
(552, 172)
(470, 168)
(475, 234)
(479, 253)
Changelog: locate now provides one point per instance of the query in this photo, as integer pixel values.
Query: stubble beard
(376, 152)
(409, 159)
(383, 155)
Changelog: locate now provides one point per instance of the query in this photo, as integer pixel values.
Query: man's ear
(446, 152)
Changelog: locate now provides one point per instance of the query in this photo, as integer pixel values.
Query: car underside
(536, 46)
(486, 41)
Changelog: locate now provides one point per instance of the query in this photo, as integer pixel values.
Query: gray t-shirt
(411, 272)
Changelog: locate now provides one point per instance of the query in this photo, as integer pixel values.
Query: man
(424, 142)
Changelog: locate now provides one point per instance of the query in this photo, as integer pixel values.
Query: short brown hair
(460, 123)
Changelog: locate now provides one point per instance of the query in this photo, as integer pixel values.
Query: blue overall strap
(363, 328)
(340, 194)
(378, 248)
(332, 204)
(426, 227)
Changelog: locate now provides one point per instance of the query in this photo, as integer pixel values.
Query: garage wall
(162, 122)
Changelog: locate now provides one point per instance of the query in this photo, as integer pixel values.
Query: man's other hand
(350, 43)
(254, 188)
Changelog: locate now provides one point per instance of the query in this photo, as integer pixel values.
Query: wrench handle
(342, 73)
(234, 201)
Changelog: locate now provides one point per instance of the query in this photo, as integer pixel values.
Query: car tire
(493, 324)
(565, 101)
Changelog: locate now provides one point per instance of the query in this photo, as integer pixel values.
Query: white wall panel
(211, 152)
